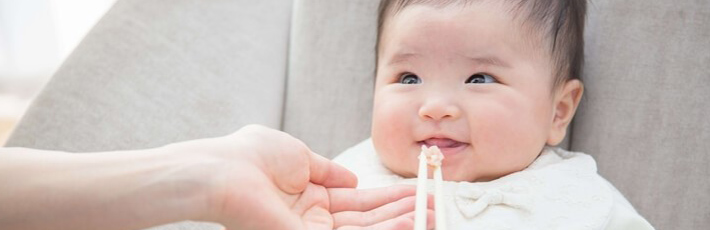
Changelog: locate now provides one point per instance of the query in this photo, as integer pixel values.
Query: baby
(493, 84)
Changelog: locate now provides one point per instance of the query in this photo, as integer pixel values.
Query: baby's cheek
(391, 135)
(505, 138)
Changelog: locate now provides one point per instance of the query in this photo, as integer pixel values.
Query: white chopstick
(426, 158)
(438, 199)
(421, 204)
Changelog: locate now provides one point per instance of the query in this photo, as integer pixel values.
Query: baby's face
(467, 79)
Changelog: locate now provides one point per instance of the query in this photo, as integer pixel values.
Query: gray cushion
(155, 72)
(331, 73)
(645, 114)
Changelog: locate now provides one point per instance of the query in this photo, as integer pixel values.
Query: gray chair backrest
(645, 115)
(331, 73)
(155, 72)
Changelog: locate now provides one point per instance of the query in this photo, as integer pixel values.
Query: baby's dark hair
(561, 22)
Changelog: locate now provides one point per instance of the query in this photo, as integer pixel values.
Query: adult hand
(273, 181)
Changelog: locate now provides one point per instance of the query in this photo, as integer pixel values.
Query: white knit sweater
(559, 190)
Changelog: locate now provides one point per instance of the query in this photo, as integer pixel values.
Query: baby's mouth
(447, 146)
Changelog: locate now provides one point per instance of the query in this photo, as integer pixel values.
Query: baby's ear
(567, 99)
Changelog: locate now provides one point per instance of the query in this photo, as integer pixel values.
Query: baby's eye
(480, 78)
(409, 78)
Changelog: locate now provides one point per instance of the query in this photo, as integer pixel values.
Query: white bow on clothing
(472, 199)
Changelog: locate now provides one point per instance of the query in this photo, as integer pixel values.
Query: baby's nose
(439, 109)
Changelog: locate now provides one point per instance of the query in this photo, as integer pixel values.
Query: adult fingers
(348, 199)
(380, 214)
(385, 212)
(405, 221)
(329, 174)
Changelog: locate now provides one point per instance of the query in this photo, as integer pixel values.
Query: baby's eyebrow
(401, 57)
(489, 60)
(483, 60)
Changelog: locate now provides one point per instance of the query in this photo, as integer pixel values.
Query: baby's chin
(467, 176)
(404, 172)
(464, 178)
(458, 173)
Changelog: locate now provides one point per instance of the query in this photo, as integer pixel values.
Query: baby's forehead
(553, 29)
(477, 25)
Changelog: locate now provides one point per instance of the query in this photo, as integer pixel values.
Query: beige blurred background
(35, 38)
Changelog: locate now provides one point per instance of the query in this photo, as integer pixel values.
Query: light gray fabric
(155, 72)
(331, 73)
(645, 115)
